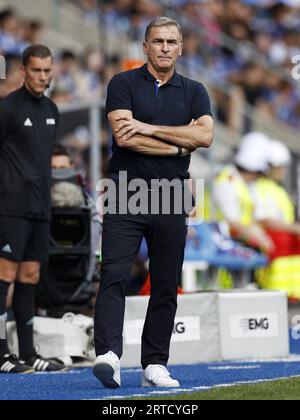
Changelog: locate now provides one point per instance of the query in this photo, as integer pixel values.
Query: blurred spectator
(275, 211)
(68, 73)
(191, 60)
(232, 192)
(34, 31)
(10, 29)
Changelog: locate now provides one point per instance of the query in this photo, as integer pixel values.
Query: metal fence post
(2, 68)
(2, 328)
(95, 147)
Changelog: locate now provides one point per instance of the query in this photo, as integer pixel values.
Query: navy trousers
(122, 235)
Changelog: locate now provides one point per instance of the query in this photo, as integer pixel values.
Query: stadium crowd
(267, 31)
(268, 34)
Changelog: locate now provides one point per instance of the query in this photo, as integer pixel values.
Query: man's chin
(165, 67)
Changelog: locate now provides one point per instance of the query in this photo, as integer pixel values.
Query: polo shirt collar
(174, 81)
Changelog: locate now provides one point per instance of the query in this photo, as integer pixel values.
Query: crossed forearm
(196, 134)
(190, 137)
(149, 146)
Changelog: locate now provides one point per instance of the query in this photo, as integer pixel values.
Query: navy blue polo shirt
(175, 103)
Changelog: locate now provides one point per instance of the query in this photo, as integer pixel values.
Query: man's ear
(181, 49)
(23, 71)
(145, 48)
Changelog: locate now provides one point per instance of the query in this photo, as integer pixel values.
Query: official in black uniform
(158, 118)
(28, 125)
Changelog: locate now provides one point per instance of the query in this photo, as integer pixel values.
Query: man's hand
(127, 127)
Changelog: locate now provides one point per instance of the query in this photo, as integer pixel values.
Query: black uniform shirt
(28, 128)
(175, 103)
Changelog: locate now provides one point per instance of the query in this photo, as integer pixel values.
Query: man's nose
(165, 47)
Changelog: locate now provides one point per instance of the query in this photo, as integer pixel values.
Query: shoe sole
(62, 370)
(52, 371)
(148, 384)
(26, 372)
(105, 373)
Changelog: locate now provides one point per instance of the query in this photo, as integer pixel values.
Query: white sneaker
(107, 369)
(158, 375)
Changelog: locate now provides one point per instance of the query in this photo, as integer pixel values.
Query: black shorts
(24, 240)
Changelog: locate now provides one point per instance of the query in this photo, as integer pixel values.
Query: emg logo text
(179, 328)
(255, 324)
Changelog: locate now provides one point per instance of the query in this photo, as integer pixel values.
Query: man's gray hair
(162, 21)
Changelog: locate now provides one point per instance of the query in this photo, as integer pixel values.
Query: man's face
(38, 74)
(163, 47)
(61, 162)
